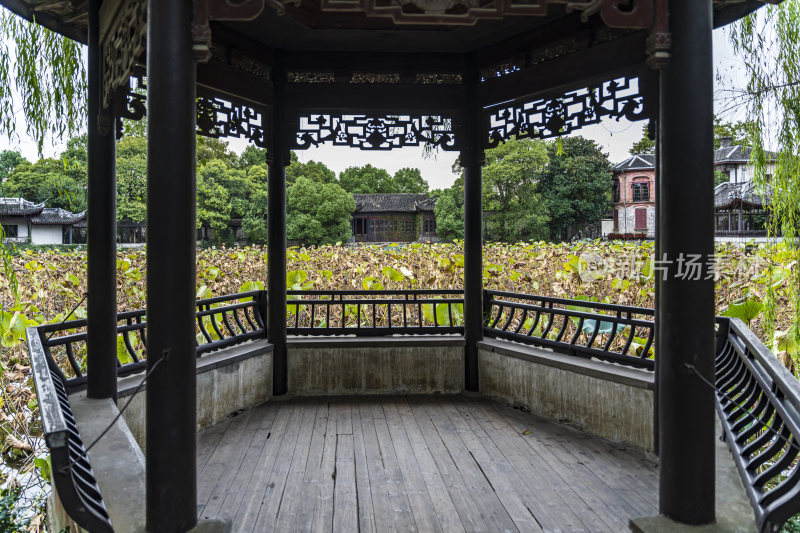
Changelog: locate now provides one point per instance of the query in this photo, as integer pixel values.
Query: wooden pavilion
(459, 75)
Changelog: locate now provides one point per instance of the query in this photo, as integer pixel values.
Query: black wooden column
(171, 241)
(276, 231)
(686, 304)
(471, 159)
(101, 336)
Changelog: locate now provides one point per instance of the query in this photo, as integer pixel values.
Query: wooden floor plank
(345, 498)
(261, 485)
(366, 513)
(312, 477)
(554, 502)
(465, 506)
(239, 486)
(486, 500)
(242, 437)
(446, 463)
(497, 475)
(378, 485)
(418, 496)
(323, 506)
(404, 519)
(290, 504)
(443, 506)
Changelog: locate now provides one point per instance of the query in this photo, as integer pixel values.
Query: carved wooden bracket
(207, 10)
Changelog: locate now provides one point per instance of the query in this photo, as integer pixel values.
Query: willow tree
(768, 41)
(43, 85)
(42, 81)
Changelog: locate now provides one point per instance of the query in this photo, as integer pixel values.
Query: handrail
(375, 312)
(548, 322)
(758, 402)
(218, 327)
(71, 472)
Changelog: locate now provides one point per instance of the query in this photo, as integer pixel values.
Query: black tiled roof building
(394, 217)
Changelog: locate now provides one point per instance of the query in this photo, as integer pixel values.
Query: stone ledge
(212, 361)
(400, 341)
(632, 377)
(116, 459)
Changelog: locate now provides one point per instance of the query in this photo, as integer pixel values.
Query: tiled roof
(17, 207)
(637, 162)
(56, 216)
(393, 203)
(729, 194)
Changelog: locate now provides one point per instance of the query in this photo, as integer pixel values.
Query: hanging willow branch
(769, 42)
(42, 80)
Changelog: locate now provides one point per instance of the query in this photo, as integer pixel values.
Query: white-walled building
(26, 222)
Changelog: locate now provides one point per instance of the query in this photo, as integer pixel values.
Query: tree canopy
(576, 184)
(318, 213)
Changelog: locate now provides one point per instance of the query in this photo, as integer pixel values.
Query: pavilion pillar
(471, 160)
(686, 297)
(171, 460)
(101, 332)
(278, 156)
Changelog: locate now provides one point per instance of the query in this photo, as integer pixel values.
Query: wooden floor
(447, 463)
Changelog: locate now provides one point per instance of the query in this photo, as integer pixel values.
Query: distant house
(633, 197)
(739, 209)
(24, 221)
(397, 217)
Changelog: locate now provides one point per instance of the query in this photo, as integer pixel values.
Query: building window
(641, 192)
(615, 191)
(429, 225)
(10, 231)
(360, 225)
(641, 219)
(616, 220)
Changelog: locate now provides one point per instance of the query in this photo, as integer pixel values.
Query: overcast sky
(614, 137)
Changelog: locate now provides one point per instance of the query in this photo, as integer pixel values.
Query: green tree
(251, 156)
(736, 130)
(132, 179)
(409, 180)
(9, 160)
(316, 172)
(366, 180)
(645, 145)
(48, 73)
(767, 42)
(209, 148)
(449, 211)
(213, 201)
(720, 177)
(514, 209)
(46, 181)
(575, 184)
(76, 159)
(318, 213)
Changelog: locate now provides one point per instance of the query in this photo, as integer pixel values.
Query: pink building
(633, 196)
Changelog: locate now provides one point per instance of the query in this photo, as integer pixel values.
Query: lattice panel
(374, 132)
(215, 117)
(541, 119)
(122, 45)
(220, 118)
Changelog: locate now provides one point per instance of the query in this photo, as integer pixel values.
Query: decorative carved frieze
(545, 118)
(216, 117)
(374, 132)
(122, 44)
(220, 118)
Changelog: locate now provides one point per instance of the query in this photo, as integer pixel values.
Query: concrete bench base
(603, 399)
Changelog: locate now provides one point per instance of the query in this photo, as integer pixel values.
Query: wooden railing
(758, 402)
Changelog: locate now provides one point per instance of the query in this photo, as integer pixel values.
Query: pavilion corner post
(686, 304)
(101, 335)
(278, 156)
(171, 485)
(471, 160)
